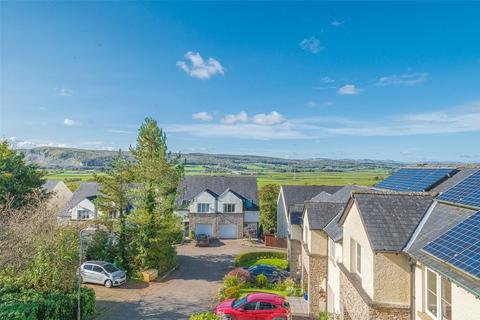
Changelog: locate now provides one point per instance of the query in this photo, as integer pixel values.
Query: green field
(366, 178)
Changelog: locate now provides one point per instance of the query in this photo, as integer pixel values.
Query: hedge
(243, 258)
(30, 304)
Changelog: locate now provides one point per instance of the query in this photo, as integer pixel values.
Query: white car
(103, 273)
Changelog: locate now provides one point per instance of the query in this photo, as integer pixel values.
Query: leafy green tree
(18, 180)
(115, 198)
(158, 174)
(268, 195)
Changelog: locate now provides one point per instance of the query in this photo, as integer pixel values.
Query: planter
(150, 275)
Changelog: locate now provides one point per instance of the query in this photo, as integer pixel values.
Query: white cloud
(64, 92)
(311, 45)
(235, 118)
(203, 116)
(199, 68)
(348, 89)
(17, 143)
(337, 23)
(268, 119)
(311, 104)
(328, 103)
(70, 122)
(327, 80)
(407, 79)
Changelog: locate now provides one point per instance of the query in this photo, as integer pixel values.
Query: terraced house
(408, 255)
(222, 207)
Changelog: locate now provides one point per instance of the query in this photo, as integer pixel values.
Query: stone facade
(314, 273)
(356, 304)
(294, 249)
(216, 219)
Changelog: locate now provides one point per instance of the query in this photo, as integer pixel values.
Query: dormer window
(228, 207)
(203, 207)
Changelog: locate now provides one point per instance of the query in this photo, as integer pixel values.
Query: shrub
(261, 280)
(203, 316)
(232, 292)
(281, 286)
(191, 234)
(101, 247)
(244, 258)
(33, 304)
(231, 281)
(242, 274)
(324, 315)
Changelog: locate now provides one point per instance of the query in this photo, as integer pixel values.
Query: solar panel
(415, 179)
(467, 192)
(460, 246)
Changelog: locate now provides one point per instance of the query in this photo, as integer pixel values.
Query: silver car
(102, 272)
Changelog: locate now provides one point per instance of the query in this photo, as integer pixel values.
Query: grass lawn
(279, 263)
(244, 292)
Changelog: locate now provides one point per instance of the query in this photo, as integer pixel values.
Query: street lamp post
(80, 254)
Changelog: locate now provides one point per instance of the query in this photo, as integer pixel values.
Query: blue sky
(298, 80)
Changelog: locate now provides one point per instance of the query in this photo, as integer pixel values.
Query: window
(332, 248)
(266, 306)
(97, 269)
(228, 207)
(359, 258)
(250, 306)
(446, 299)
(238, 303)
(203, 207)
(88, 267)
(438, 292)
(353, 260)
(82, 214)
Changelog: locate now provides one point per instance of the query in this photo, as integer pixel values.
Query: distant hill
(80, 159)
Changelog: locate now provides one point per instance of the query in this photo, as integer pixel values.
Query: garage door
(228, 231)
(203, 228)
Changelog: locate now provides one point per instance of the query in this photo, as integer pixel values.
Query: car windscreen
(110, 267)
(201, 237)
(239, 302)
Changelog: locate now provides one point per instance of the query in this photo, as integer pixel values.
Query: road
(189, 289)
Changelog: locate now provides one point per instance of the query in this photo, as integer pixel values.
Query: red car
(258, 306)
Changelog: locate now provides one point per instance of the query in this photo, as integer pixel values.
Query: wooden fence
(272, 241)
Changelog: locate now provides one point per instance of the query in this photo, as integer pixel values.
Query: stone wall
(294, 249)
(216, 219)
(314, 271)
(356, 304)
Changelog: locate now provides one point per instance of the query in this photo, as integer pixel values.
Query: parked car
(262, 306)
(102, 272)
(272, 273)
(202, 240)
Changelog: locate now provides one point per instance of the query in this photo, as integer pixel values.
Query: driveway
(191, 288)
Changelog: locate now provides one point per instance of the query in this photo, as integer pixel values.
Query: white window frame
(83, 214)
(438, 293)
(199, 206)
(358, 257)
(229, 205)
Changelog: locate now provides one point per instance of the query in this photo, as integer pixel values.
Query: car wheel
(108, 284)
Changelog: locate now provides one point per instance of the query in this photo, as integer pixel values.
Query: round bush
(232, 292)
(231, 281)
(242, 274)
(261, 280)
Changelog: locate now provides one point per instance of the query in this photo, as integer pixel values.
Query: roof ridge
(393, 193)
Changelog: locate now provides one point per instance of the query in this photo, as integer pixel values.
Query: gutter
(412, 288)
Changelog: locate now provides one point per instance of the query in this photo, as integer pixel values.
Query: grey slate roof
(49, 185)
(245, 187)
(300, 194)
(295, 212)
(86, 190)
(343, 195)
(334, 229)
(458, 177)
(442, 218)
(321, 213)
(321, 197)
(390, 218)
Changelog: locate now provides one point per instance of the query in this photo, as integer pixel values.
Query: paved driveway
(188, 289)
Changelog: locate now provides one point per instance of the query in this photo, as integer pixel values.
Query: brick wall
(294, 257)
(314, 271)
